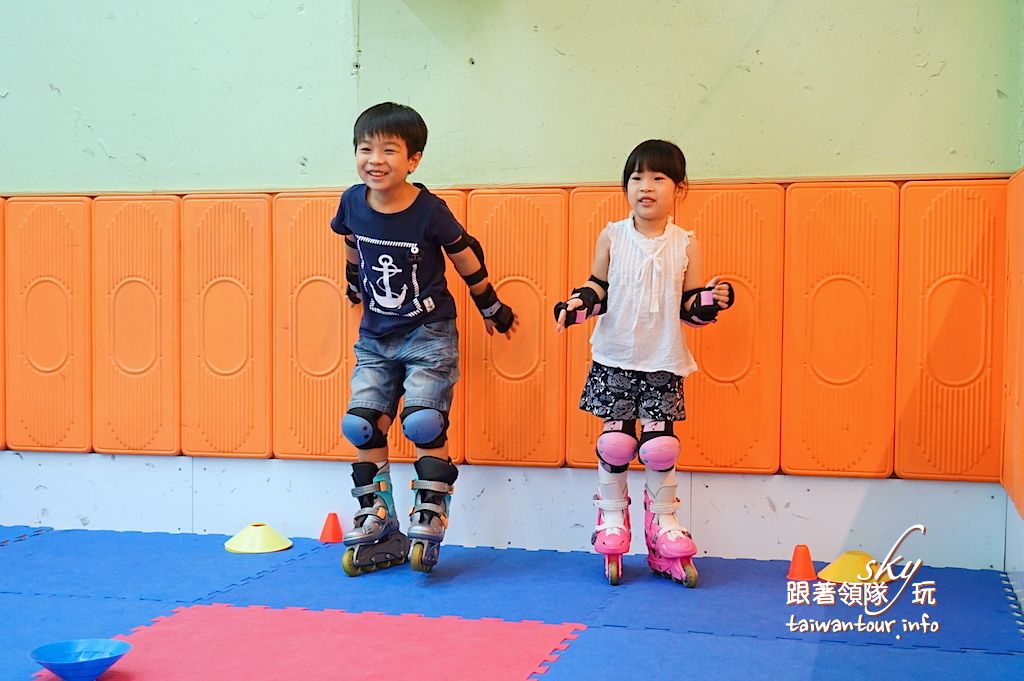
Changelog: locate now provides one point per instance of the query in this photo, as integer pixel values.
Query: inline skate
(428, 519)
(670, 548)
(612, 533)
(375, 541)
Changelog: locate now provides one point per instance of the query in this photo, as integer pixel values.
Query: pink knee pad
(660, 453)
(616, 448)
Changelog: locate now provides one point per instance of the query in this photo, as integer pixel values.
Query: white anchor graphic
(389, 300)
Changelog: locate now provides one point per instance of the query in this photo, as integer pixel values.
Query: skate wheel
(612, 570)
(691, 576)
(348, 563)
(416, 559)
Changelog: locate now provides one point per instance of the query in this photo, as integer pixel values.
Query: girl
(646, 277)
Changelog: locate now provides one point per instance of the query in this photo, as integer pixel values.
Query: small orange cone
(801, 568)
(331, 534)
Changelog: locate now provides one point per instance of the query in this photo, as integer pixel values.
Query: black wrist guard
(704, 309)
(495, 310)
(354, 288)
(592, 306)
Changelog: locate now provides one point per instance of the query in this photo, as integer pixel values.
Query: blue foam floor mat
(33, 620)
(13, 533)
(509, 584)
(616, 654)
(79, 583)
(148, 566)
(748, 598)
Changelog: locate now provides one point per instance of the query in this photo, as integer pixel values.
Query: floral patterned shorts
(612, 393)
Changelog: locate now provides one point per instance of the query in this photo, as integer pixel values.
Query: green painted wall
(1020, 91)
(108, 95)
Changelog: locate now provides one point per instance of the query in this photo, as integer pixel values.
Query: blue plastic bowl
(82, 659)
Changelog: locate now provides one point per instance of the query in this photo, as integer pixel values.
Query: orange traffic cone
(801, 568)
(331, 534)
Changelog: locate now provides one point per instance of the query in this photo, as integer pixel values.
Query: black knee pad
(359, 426)
(425, 427)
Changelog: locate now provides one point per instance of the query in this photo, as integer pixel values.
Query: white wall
(1015, 548)
(734, 516)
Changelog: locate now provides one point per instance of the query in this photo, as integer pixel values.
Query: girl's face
(651, 195)
(383, 163)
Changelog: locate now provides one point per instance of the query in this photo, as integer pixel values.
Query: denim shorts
(422, 365)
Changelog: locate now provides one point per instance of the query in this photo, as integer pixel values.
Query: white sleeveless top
(641, 329)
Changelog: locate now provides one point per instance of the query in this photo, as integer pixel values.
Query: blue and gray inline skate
(374, 540)
(429, 516)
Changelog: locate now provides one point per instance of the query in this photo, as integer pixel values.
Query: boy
(408, 343)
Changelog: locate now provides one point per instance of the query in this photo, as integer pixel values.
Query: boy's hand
(492, 327)
(570, 305)
(497, 315)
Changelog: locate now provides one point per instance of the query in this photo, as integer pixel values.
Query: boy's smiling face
(383, 163)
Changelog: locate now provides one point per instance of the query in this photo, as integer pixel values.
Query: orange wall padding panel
(48, 324)
(732, 403)
(136, 337)
(839, 334)
(1013, 421)
(950, 330)
(315, 328)
(590, 210)
(226, 325)
(515, 389)
(400, 449)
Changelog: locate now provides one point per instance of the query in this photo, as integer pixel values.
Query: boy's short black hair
(656, 156)
(392, 120)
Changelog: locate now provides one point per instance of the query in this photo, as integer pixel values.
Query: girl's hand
(721, 292)
(571, 304)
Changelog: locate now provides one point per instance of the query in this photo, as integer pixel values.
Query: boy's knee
(425, 427)
(359, 426)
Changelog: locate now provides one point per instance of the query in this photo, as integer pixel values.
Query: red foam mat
(206, 642)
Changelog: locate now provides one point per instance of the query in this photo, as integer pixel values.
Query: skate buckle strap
(372, 488)
(433, 508)
(666, 530)
(604, 527)
(427, 506)
(611, 504)
(664, 508)
(377, 511)
(432, 485)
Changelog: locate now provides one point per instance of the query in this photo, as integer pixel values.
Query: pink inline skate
(612, 539)
(670, 549)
